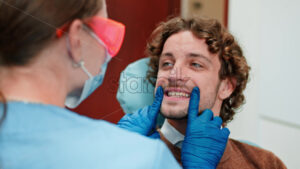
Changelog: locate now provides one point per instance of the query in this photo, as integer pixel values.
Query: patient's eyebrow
(200, 56)
(168, 54)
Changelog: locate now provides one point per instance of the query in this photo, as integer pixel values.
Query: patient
(200, 52)
(188, 53)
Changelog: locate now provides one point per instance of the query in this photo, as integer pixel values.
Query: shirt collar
(171, 134)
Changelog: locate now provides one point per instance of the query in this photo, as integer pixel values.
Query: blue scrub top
(38, 136)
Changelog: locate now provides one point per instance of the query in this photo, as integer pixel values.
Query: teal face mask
(90, 85)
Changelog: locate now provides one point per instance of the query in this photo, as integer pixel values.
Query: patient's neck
(179, 125)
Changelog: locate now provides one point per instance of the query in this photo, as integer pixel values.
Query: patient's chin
(173, 113)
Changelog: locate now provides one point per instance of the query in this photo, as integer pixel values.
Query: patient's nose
(177, 77)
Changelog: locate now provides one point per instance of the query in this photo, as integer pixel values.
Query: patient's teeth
(178, 94)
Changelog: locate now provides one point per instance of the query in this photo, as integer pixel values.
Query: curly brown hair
(219, 40)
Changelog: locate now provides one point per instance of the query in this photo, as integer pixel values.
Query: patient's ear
(226, 88)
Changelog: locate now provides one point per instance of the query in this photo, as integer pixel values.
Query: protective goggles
(110, 32)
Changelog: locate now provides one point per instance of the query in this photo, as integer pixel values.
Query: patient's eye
(196, 65)
(165, 64)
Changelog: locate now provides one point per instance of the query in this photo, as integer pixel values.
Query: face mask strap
(80, 63)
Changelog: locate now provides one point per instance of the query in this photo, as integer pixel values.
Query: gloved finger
(217, 121)
(157, 103)
(194, 104)
(159, 94)
(155, 135)
(207, 115)
(225, 132)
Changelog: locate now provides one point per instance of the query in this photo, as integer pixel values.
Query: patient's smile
(176, 94)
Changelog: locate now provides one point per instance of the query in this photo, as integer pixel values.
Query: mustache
(166, 85)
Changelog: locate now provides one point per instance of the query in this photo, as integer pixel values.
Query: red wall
(140, 18)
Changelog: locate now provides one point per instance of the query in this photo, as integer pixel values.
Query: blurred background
(268, 32)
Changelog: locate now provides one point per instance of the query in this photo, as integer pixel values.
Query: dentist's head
(55, 51)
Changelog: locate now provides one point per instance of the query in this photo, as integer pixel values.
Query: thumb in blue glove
(143, 121)
(205, 141)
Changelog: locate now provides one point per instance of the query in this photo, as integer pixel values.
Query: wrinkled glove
(143, 121)
(205, 141)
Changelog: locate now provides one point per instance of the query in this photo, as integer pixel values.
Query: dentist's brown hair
(28, 26)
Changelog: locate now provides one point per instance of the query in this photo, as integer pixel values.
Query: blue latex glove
(143, 121)
(205, 141)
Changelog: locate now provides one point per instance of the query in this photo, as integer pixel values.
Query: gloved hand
(143, 121)
(205, 141)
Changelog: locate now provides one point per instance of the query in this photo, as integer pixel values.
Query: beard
(177, 112)
(179, 115)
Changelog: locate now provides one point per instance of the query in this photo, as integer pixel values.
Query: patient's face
(185, 63)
